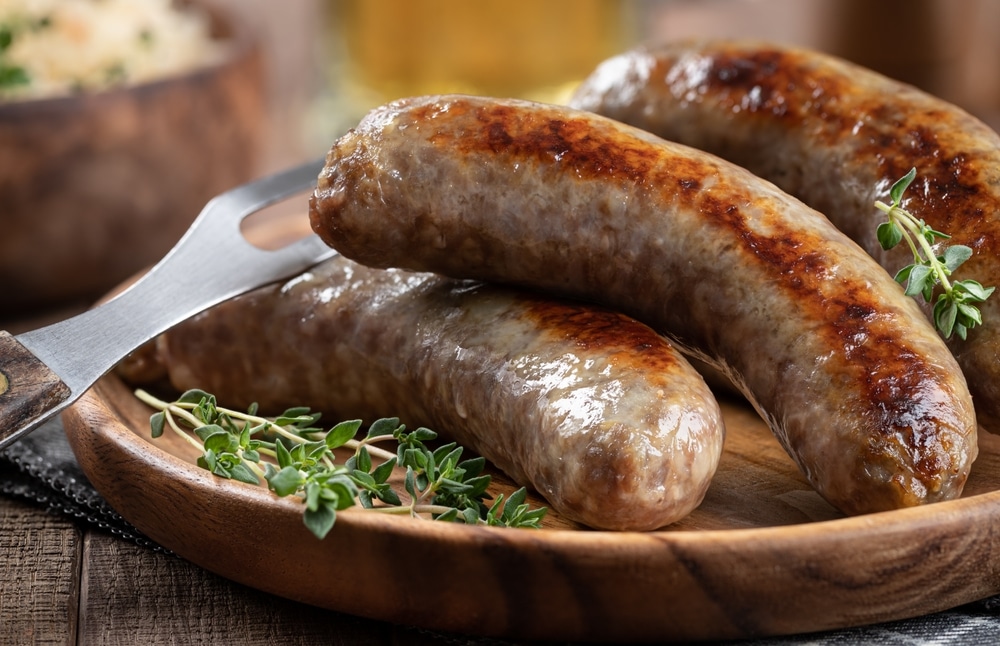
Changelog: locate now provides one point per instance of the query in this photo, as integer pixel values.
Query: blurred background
(330, 60)
(306, 70)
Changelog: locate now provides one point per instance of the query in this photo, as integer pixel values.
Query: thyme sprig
(296, 457)
(954, 311)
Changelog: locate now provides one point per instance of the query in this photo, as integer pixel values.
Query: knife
(45, 370)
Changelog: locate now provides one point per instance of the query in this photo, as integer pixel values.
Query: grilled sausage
(601, 415)
(836, 136)
(844, 368)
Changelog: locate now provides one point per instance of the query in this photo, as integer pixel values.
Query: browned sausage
(836, 136)
(597, 412)
(844, 368)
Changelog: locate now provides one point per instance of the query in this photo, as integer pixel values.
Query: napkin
(42, 469)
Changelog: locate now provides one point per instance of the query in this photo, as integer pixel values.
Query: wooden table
(62, 584)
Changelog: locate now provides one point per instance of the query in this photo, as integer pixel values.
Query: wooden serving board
(763, 555)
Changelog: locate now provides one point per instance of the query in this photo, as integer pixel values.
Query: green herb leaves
(10, 75)
(301, 461)
(13, 76)
(954, 311)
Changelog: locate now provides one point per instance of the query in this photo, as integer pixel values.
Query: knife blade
(45, 370)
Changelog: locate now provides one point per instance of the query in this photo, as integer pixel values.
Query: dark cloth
(41, 468)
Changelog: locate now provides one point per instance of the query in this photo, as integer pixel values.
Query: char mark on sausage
(837, 136)
(597, 412)
(845, 369)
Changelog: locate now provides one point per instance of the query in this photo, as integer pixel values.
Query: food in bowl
(99, 182)
(58, 47)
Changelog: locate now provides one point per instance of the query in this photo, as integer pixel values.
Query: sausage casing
(837, 136)
(597, 412)
(844, 368)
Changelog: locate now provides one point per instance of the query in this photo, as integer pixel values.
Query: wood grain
(60, 584)
(131, 595)
(28, 388)
(40, 558)
(762, 556)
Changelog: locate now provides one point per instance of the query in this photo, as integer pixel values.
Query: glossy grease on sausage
(597, 412)
(845, 369)
(836, 136)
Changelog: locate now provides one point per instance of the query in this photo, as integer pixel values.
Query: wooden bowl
(763, 555)
(94, 187)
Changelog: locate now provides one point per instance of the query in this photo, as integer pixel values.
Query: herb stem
(412, 510)
(177, 429)
(374, 450)
(170, 410)
(954, 310)
(250, 464)
(904, 218)
(436, 482)
(261, 423)
(266, 425)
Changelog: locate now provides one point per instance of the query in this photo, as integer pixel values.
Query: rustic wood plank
(406, 636)
(131, 595)
(39, 570)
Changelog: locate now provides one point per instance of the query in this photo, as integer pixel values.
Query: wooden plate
(764, 555)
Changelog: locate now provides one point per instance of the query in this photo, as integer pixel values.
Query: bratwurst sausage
(836, 136)
(597, 412)
(844, 368)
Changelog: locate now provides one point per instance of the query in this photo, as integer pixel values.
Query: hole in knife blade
(280, 224)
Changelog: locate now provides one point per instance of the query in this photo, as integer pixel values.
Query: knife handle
(29, 391)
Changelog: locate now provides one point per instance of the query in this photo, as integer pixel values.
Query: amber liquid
(380, 50)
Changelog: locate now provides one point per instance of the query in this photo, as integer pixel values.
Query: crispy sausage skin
(843, 367)
(597, 412)
(836, 136)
